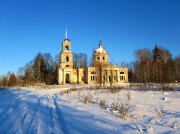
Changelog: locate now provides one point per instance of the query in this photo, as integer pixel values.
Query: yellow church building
(102, 71)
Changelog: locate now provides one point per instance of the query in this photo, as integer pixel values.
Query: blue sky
(31, 26)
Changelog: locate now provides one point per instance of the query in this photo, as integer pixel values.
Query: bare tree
(142, 65)
(4, 81)
(154, 66)
(79, 60)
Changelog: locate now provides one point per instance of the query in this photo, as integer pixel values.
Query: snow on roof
(100, 49)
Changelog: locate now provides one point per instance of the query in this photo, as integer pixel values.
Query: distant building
(101, 72)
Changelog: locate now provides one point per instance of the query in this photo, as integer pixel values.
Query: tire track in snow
(9, 105)
(47, 121)
(50, 109)
(61, 118)
(54, 126)
(33, 116)
(18, 127)
(22, 119)
(13, 115)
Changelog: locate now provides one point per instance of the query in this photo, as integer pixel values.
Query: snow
(101, 50)
(47, 111)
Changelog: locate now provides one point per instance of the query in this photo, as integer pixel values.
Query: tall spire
(66, 36)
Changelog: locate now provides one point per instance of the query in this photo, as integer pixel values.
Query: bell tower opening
(67, 59)
(66, 48)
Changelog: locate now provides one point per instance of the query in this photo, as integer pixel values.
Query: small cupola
(100, 49)
(100, 56)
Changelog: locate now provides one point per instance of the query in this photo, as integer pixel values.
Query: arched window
(93, 72)
(67, 59)
(97, 58)
(67, 65)
(121, 72)
(66, 48)
(103, 58)
(122, 76)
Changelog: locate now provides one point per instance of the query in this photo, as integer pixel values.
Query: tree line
(151, 66)
(154, 66)
(42, 69)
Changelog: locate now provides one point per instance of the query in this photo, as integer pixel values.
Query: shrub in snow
(137, 127)
(159, 111)
(177, 125)
(73, 89)
(166, 87)
(64, 92)
(123, 109)
(149, 128)
(102, 103)
(128, 95)
(88, 99)
(115, 89)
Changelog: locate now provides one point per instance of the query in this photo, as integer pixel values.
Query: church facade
(102, 71)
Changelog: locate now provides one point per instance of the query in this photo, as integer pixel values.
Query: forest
(151, 66)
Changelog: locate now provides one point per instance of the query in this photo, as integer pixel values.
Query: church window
(103, 58)
(110, 79)
(67, 59)
(98, 58)
(93, 72)
(122, 76)
(92, 78)
(67, 65)
(121, 72)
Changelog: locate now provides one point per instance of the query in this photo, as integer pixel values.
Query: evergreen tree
(156, 54)
(12, 80)
(39, 68)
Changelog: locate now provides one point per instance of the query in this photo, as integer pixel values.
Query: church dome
(100, 49)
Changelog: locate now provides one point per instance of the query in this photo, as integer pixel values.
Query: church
(102, 71)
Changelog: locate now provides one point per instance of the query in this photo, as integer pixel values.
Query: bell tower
(66, 53)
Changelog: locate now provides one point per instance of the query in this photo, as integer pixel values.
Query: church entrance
(67, 78)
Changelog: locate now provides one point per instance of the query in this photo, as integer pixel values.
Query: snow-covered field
(47, 111)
